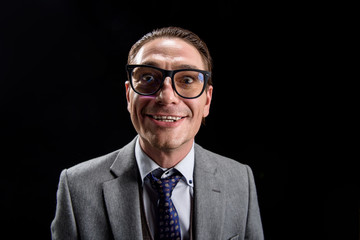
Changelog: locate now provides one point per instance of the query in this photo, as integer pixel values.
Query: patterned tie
(168, 220)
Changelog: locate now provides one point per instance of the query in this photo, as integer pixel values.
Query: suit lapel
(209, 205)
(122, 197)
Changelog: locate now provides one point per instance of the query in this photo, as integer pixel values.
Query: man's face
(147, 112)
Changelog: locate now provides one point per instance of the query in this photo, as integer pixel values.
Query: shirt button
(190, 181)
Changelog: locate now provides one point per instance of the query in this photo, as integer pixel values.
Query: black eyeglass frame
(167, 73)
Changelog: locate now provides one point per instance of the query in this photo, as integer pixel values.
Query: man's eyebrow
(150, 63)
(186, 66)
(179, 66)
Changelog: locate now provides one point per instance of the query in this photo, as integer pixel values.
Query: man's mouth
(165, 118)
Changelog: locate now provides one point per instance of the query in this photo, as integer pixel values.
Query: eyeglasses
(148, 80)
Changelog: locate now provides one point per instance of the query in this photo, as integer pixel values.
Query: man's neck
(166, 158)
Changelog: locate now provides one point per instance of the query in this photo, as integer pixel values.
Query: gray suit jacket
(100, 199)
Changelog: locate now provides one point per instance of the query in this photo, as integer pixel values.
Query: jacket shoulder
(226, 167)
(99, 170)
(94, 169)
(219, 160)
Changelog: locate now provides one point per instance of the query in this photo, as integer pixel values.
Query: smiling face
(165, 121)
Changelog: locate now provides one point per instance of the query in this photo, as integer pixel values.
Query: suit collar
(125, 159)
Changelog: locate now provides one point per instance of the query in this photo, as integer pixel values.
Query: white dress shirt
(181, 196)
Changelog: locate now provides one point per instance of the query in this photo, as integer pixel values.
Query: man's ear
(208, 92)
(127, 88)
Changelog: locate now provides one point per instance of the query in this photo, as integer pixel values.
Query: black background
(274, 106)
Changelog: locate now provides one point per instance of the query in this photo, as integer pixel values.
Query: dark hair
(174, 32)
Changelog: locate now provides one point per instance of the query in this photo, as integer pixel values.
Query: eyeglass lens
(147, 80)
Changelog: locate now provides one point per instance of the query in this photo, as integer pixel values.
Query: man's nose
(167, 94)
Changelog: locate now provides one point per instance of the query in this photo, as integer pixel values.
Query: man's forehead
(175, 52)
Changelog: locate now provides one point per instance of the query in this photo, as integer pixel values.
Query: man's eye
(188, 80)
(148, 78)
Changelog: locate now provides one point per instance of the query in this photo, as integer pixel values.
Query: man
(161, 185)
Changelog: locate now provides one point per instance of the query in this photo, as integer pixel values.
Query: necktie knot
(165, 186)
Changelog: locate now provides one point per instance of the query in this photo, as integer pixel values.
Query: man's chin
(166, 142)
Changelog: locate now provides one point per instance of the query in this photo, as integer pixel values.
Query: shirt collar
(147, 165)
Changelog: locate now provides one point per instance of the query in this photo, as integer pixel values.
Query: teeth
(166, 118)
